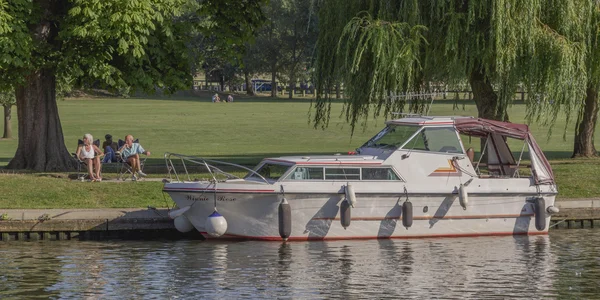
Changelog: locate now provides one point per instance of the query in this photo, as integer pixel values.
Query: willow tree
(588, 114)
(117, 44)
(384, 47)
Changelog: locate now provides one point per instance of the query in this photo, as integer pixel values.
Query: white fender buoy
(285, 219)
(173, 214)
(552, 210)
(539, 209)
(183, 224)
(350, 195)
(407, 214)
(345, 213)
(463, 196)
(215, 225)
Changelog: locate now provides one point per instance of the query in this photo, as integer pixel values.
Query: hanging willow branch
(396, 46)
(379, 57)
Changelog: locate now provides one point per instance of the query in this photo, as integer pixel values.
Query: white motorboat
(415, 178)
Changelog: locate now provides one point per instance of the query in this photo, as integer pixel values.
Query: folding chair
(126, 168)
(82, 175)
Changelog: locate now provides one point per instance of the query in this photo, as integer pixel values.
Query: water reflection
(565, 264)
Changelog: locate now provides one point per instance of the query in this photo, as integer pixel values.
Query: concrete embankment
(89, 224)
(93, 224)
(577, 213)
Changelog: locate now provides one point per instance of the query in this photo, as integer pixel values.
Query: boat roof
(427, 120)
(328, 160)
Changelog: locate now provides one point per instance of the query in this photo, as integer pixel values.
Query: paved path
(578, 203)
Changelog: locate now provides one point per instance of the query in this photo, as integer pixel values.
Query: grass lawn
(241, 132)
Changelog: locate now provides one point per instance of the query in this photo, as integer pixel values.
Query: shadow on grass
(246, 160)
(255, 158)
(553, 155)
(237, 99)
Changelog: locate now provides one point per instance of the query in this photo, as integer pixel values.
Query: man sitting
(130, 152)
(110, 149)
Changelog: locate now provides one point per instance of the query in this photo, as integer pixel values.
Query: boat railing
(214, 168)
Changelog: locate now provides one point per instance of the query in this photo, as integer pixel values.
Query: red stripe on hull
(482, 217)
(218, 190)
(339, 238)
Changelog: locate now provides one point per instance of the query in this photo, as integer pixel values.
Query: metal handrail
(207, 163)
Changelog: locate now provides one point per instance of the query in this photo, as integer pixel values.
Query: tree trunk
(273, 79)
(586, 126)
(41, 144)
(485, 98)
(337, 91)
(292, 84)
(249, 90)
(7, 124)
(486, 101)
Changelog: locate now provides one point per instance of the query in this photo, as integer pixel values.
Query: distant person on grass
(230, 98)
(110, 149)
(130, 152)
(90, 154)
(215, 98)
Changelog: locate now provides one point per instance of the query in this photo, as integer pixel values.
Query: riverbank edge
(152, 223)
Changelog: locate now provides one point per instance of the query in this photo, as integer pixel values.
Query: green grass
(45, 191)
(243, 132)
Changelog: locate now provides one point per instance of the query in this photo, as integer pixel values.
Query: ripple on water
(564, 264)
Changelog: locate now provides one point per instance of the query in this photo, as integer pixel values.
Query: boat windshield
(392, 137)
(270, 171)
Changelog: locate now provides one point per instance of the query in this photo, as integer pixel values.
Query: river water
(565, 264)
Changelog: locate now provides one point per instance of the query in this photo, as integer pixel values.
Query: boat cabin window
(379, 174)
(436, 139)
(342, 173)
(270, 171)
(337, 173)
(304, 173)
(392, 137)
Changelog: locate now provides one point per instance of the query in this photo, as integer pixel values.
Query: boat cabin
(423, 147)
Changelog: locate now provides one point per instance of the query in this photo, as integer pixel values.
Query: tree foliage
(496, 45)
(286, 40)
(7, 98)
(588, 113)
(141, 44)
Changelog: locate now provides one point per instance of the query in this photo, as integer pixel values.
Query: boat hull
(316, 216)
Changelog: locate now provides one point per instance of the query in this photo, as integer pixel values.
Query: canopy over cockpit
(494, 131)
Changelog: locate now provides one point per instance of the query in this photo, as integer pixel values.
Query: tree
(382, 47)
(7, 99)
(142, 44)
(287, 39)
(588, 114)
(226, 32)
(300, 24)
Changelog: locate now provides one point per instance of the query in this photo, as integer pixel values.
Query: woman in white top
(90, 154)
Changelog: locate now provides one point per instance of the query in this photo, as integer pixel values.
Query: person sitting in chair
(110, 149)
(90, 154)
(130, 152)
